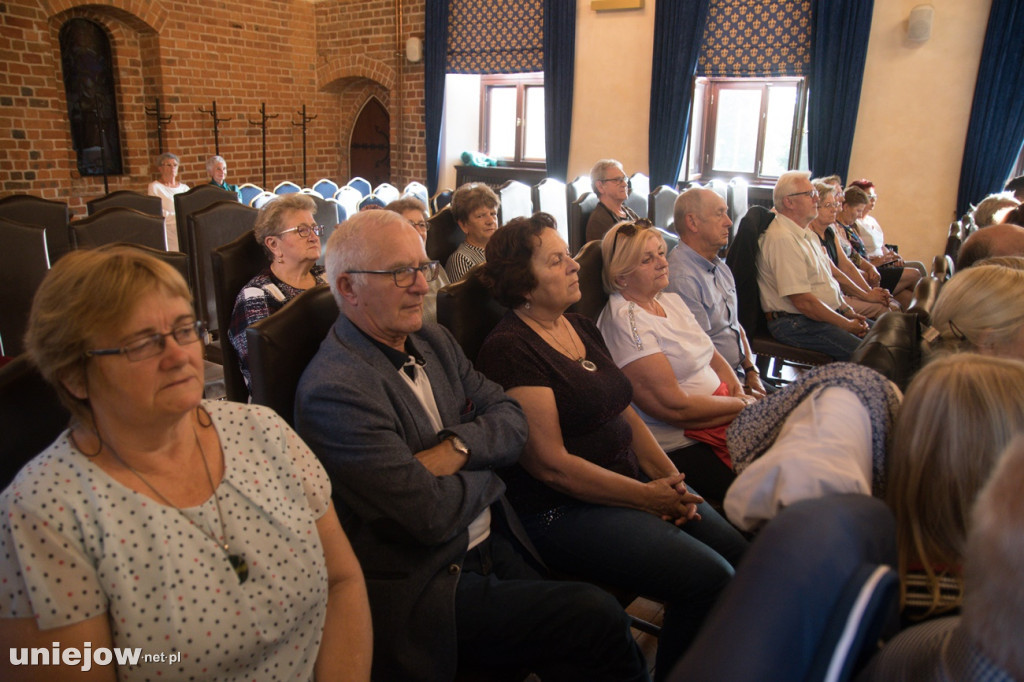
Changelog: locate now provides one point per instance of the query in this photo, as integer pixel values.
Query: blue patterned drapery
(495, 37)
(756, 39)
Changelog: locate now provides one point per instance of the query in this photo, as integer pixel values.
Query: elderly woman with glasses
(166, 187)
(865, 299)
(611, 186)
(683, 389)
(160, 521)
(598, 496)
(291, 239)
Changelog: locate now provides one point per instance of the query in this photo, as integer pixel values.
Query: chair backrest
(281, 345)
(327, 211)
(419, 191)
(662, 210)
(719, 187)
(579, 186)
(592, 295)
(23, 265)
(739, 193)
(579, 214)
(469, 311)
(387, 192)
(329, 227)
(214, 226)
(349, 197)
(117, 224)
(444, 235)
(892, 347)
(440, 200)
(821, 569)
(248, 192)
(53, 215)
(742, 261)
(325, 187)
(954, 240)
(361, 184)
(639, 194)
(671, 239)
(262, 199)
(926, 292)
(549, 196)
(176, 259)
(126, 198)
(233, 265)
(31, 416)
(516, 201)
(196, 199)
(287, 187)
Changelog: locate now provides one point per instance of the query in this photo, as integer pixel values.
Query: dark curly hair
(507, 272)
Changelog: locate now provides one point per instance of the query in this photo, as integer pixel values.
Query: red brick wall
(330, 55)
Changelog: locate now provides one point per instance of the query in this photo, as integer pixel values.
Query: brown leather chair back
(444, 235)
(53, 215)
(126, 198)
(281, 345)
(233, 265)
(23, 265)
(593, 298)
(119, 224)
(469, 311)
(31, 416)
(196, 199)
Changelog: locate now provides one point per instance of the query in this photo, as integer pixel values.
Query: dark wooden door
(370, 152)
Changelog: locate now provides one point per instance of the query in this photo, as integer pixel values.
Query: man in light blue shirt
(704, 281)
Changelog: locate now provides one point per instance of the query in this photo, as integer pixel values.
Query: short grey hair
(787, 185)
(349, 247)
(271, 216)
(212, 160)
(167, 155)
(598, 171)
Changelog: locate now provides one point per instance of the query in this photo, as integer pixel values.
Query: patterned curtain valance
(495, 37)
(756, 39)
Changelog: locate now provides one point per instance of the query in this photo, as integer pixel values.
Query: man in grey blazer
(411, 436)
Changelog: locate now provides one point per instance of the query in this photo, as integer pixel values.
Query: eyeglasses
(304, 230)
(830, 204)
(812, 193)
(154, 344)
(420, 224)
(630, 229)
(621, 180)
(405, 277)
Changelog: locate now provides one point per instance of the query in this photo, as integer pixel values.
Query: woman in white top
(165, 188)
(682, 387)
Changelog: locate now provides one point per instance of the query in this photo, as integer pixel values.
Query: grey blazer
(407, 526)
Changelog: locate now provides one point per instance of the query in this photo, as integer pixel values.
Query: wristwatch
(457, 443)
(752, 368)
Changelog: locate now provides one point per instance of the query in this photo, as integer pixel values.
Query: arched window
(92, 104)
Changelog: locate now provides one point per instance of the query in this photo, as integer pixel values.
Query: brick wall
(331, 55)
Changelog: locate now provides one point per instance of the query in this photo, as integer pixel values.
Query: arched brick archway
(143, 15)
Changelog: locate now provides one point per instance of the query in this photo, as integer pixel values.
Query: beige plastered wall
(911, 123)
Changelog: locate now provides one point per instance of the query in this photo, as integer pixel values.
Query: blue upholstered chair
(809, 600)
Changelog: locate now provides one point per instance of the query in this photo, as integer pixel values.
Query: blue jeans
(685, 567)
(803, 332)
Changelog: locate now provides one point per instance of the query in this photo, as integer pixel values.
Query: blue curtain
(559, 69)
(435, 54)
(839, 48)
(996, 128)
(678, 35)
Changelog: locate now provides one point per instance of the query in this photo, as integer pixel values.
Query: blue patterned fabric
(495, 37)
(752, 38)
(757, 426)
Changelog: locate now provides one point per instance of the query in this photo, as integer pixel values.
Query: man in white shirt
(803, 303)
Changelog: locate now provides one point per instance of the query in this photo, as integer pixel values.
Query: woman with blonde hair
(958, 414)
(981, 309)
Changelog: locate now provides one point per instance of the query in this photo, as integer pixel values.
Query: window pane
(696, 133)
(501, 123)
(736, 130)
(778, 130)
(533, 146)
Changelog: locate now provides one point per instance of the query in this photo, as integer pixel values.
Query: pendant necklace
(237, 561)
(575, 354)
